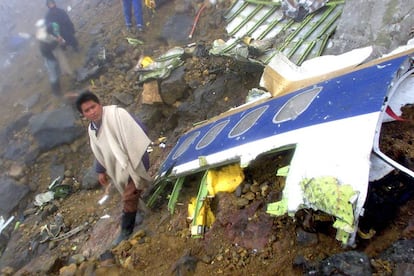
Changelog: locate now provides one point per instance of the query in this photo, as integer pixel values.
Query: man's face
(92, 111)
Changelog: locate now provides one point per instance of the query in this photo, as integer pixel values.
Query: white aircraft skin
(333, 126)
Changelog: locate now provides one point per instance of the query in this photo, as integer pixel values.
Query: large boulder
(346, 263)
(400, 252)
(218, 95)
(10, 195)
(55, 128)
(174, 88)
(17, 147)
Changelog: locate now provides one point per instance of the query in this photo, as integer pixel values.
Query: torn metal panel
(298, 38)
(162, 66)
(282, 76)
(332, 124)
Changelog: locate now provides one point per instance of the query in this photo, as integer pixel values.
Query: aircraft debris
(330, 119)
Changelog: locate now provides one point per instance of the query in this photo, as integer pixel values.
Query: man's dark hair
(50, 2)
(84, 97)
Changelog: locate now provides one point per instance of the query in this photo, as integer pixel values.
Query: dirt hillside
(243, 241)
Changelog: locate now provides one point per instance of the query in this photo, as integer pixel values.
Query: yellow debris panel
(225, 179)
(205, 216)
(146, 61)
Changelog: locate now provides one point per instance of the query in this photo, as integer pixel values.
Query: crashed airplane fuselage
(332, 124)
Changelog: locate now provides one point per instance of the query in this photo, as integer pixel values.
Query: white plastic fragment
(3, 223)
(103, 199)
(43, 198)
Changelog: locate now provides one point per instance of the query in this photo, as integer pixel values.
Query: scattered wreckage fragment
(329, 117)
(55, 231)
(299, 9)
(259, 30)
(161, 67)
(56, 190)
(298, 29)
(5, 223)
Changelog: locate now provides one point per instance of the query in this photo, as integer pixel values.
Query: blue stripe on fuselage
(352, 94)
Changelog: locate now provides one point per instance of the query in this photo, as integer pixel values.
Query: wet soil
(162, 244)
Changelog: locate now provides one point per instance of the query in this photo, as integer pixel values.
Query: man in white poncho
(119, 144)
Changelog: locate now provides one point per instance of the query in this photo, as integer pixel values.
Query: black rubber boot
(127, 227)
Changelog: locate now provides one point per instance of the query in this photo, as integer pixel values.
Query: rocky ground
(244, 240)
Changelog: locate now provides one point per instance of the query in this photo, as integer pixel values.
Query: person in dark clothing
(48, 43)
(67, 29)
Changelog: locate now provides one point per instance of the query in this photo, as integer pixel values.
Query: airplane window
(186, 144)
(296, 105)
(247, 121)
(211, 135)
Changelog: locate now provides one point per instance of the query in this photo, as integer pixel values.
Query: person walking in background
(119, 143)
(48, 43)
(136, 6)
(67, 29)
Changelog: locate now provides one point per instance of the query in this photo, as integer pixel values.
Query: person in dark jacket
(67, 29)
(48, 43)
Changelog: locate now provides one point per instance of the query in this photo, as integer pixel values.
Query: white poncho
(119, 146)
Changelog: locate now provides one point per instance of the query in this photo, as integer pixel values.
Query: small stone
(304, 238)
(77, 259)
(249, 196)
(16, 171)
(255, 188)
(68, 174)
(265, 190)
(67, 181)
(206, 259)
(87, 253)
(69, 270)
(241, 202)
(87, 268)
(139, 234)
(128, 263)
(246, 188)
(238, 191)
